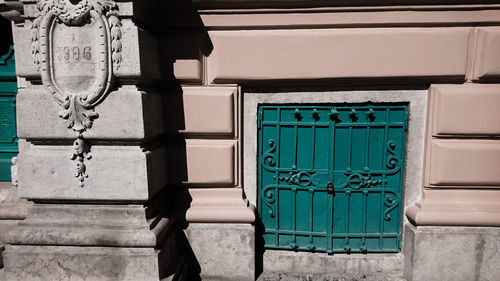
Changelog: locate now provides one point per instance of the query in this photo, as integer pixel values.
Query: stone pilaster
(91, 160)
(456, 220)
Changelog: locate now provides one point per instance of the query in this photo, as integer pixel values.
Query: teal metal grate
(331, 176)
(8, 135)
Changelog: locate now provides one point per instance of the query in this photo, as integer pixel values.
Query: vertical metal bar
(365, 214)
(347, 230)
(367, 147)
(294, 190)
(311, 219)
(365, 192)
(349, 149)
(296, 126)
(259, 165)
(314, 144)
(294, 217)
(382, 193)
(276, 177)
(330, 199)
(311, 191)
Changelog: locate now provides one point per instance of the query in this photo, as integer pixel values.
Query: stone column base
(224, 251)
(453, 253)
(80, 263)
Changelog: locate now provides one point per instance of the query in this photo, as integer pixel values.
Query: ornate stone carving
(13, 171)
(76, 45)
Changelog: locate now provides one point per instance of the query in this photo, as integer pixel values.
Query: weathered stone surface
(224, 251)
(136, 65)
(140, 54)
(83, 225)
(125, 114)
(455, 254)
(335, 265)
(11, 206)
(326, 277)
(41, 263)
(114, 173)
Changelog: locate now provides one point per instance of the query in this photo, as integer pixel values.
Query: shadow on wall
(5, 35)
(182, 36)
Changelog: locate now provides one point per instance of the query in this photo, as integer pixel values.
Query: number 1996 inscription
(74, 53)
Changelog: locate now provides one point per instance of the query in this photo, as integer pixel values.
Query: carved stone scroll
(76, 45)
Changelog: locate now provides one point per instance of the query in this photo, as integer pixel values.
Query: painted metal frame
(331, 177)
(8, 135)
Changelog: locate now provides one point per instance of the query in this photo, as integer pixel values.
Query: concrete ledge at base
(29, 263)
(224, 251)
(390, 265)
(325, 277)
(455, 254)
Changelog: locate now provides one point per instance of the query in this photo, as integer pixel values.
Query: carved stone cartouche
(76, 45)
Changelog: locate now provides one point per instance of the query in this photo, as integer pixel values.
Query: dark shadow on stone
(182, 35)
(259, 246)
(6, 35)
(177, 259)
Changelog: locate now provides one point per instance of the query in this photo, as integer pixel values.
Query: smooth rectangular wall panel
(338, 53)
(202, 111)
(487, 60)
(466, 110)
(471, 163)
(203, 162)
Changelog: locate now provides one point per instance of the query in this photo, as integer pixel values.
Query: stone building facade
(244, 140)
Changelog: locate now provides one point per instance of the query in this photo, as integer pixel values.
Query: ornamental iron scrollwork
(299, 178)
(268, 197)
(392, 162)
(268, 158)
(391, 201)
(78, 105)
(355, 181)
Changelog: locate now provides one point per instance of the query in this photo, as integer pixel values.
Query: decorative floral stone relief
(76, 46)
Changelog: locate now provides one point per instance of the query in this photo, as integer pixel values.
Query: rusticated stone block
(125, 114)
(30, 263)
(189, 165)
(337, 53)
(465, 109)
(136, 65)
(205, 111)
(225, 252)
(487, 59)
(114, 173)
(472, 163)
(455, 254)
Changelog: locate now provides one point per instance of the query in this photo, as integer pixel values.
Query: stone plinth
(30, 263)
(225, 252)
(453, 253)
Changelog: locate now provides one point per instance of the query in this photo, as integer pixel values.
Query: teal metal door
(330, 177)
(8, 90)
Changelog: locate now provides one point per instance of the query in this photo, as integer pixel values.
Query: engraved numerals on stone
(74, 53)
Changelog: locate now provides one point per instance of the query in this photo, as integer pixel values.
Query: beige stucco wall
(353, 48)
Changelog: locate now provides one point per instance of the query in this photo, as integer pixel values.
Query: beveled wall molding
(66, 61)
